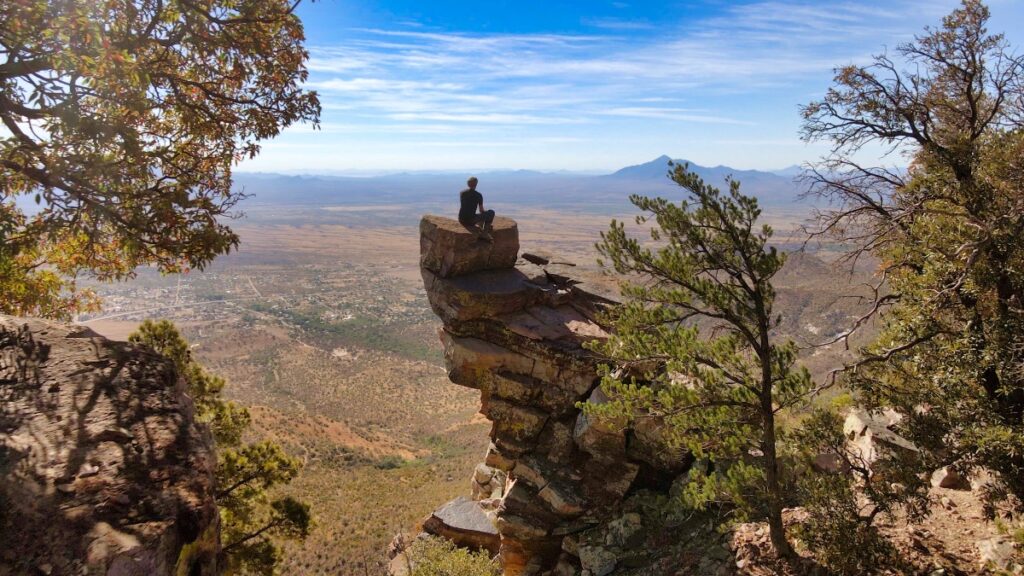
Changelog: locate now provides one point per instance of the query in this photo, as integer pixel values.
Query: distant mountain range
(543, 189)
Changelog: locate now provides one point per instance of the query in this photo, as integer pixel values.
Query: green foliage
(434, 556)
(246, 473)
(28, 290)
(227, 420)
(948, 235)
(835, 531)
(124, 120)
(694, 343)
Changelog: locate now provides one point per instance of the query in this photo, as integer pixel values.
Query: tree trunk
(776, 529)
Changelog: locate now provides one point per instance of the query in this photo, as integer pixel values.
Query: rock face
(448, 248)
(517, 334)
(103, 468)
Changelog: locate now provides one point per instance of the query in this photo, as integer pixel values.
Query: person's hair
(472, 180)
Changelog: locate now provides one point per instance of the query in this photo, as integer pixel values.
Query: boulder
(649, 443)
(622, 530)
(103, 467)
(447, 248)
(996, 553)
(465, 523)
(948, 477)
(488, 483)
(483, 474)
(597, 560)
(871, 434)
(600, 437)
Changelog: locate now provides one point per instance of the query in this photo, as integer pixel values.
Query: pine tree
(695, 343)
(246, 473)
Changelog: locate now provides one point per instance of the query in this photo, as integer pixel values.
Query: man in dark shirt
(470, 201)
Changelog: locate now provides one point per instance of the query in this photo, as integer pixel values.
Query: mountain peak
(655, 168)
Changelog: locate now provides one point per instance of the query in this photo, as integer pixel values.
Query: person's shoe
(486, 236)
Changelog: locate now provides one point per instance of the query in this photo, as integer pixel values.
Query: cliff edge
(565, 495)
(517, 334)
(103, 467)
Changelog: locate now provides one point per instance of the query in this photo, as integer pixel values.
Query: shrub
(434, 556)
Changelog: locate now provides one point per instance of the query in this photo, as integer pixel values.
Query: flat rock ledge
(103, 468)
(448, 248)
(464, 522)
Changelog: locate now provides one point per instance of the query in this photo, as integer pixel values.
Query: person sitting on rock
(471, 200)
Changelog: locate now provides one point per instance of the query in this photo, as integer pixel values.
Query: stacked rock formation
(517, 334)
(103, 468)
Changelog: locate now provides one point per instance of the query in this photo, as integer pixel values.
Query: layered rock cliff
(517, 334)
(103, 468)
(561, 494)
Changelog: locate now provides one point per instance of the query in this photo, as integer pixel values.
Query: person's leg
(485, 220)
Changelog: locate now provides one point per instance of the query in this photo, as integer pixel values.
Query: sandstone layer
(518, 334)
(103, 468)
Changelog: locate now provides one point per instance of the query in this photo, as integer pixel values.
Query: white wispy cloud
(417, 74)
(617, 24)
(700, 80)
(675, 114)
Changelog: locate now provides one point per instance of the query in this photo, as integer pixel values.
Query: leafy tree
(947, 232)
(698, 328)
(123, 120)
(246, 473)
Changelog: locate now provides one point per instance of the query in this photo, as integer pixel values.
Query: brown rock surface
(103, 469)
(447, 248)
(518, 336)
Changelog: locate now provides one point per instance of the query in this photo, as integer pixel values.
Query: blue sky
(589, 85)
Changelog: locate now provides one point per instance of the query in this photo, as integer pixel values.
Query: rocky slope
(517, 334)
(560, 494)
(103, 468)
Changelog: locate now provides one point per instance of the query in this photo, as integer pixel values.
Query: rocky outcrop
(872, 434)
(452, 249)
(103, 468)
(570, 495)
(518, 334)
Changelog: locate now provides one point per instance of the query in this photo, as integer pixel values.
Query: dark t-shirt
(470, 199)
